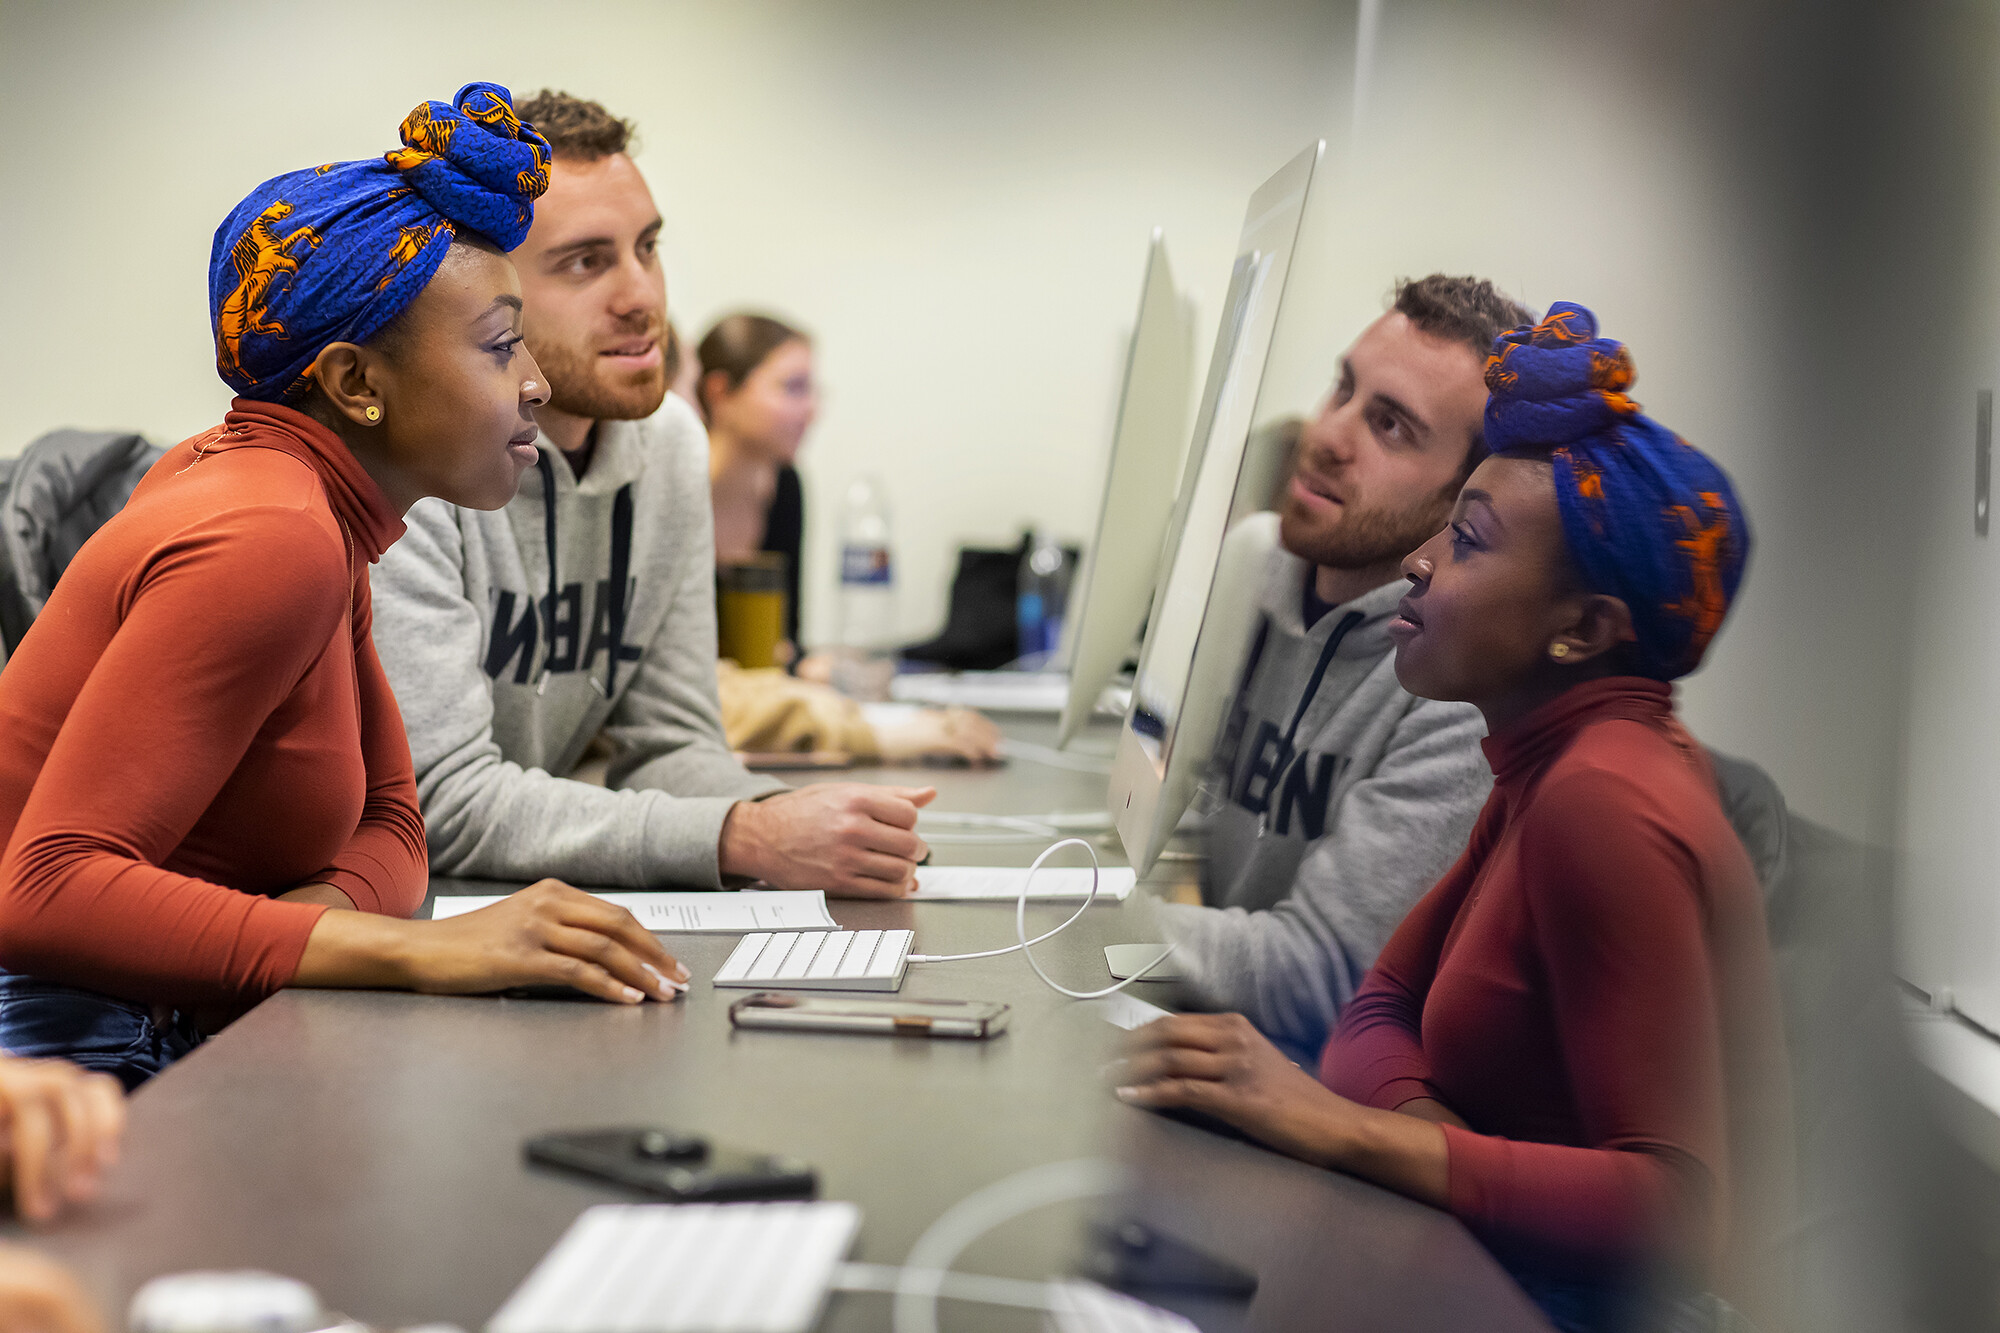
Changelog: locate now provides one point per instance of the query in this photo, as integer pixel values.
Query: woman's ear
(1601, 624)
(342, 371)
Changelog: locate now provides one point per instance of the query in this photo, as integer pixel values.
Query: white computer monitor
(1218, 541)
(1122, 566)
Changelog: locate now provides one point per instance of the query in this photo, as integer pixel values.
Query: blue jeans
(1580, 1305)
(41, 1019)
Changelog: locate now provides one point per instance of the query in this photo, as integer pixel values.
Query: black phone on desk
(686, 1168)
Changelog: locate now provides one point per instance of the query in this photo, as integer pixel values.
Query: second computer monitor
(1124, 557)
(1218, 541)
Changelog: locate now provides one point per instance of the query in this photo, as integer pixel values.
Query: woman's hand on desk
(1221, 1065)
(546, 934)
(59, 1131)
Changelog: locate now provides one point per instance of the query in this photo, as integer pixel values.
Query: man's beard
(577, 387)
(1364, 538)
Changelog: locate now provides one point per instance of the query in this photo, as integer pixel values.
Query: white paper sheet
(979, 883)
(1127, 1010)
(695, 913)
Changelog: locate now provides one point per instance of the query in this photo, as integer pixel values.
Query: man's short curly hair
(1468, 311)
(576, 129)
(1464, 310)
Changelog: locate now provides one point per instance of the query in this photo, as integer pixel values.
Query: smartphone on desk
(909, 1018)
(686, 1168)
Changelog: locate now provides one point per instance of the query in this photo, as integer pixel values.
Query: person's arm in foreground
(39, 1295)
(60, 1127)
(59, 1132)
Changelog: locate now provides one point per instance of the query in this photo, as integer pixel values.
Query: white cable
(1020, 1293)
(923, 1275)
(1027, 881)
(1021, 930)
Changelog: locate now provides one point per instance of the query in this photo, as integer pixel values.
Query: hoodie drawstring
(548, 471)
(621, 565)
(621, 572)
(1292, 757)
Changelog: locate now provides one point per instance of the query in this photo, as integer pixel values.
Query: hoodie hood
(1283, 602)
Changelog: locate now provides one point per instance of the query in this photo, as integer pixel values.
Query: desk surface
(369, 1143)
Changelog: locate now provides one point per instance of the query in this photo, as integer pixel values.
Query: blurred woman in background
(754, 387)
(755, 390)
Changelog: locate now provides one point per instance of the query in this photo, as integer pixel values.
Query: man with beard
(578, 624)
(1336, 799)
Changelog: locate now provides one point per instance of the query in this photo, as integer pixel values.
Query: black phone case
(718, 1174)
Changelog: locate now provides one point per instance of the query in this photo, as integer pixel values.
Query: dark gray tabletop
(370, 1143)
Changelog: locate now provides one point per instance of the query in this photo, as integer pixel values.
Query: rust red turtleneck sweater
(197, 722)
(1589, 988)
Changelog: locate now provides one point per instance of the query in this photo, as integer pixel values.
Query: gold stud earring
(373, 413)
(1558, 650)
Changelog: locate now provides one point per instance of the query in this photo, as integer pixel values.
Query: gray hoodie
(1336, 799)
(514, 638)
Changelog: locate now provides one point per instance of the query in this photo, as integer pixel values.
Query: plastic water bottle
(1043, 597)
(867, 569)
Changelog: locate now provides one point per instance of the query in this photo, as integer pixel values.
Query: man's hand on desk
(852, 839)
(59, 1132)
(548, 934)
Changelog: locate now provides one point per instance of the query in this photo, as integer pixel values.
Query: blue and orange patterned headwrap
(1648, 518)
(333, 253)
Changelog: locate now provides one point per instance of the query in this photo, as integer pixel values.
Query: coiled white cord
(923, 1277)
(1021, 930)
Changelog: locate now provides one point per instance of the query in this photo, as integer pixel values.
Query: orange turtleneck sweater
(1589, 988)
(197, 722)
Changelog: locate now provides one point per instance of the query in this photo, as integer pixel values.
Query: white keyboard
(819, 960)
(990, 691)
(685, 1268)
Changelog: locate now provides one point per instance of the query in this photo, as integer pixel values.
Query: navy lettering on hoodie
(511, 638)
(562, 608)
(1301, 785)
(601, 628)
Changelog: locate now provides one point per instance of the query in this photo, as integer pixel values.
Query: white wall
(1950, 897)
(956, 198)
(1568, 152)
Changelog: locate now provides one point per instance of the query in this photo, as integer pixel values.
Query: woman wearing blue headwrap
(1571, 1042)
(201, 763)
